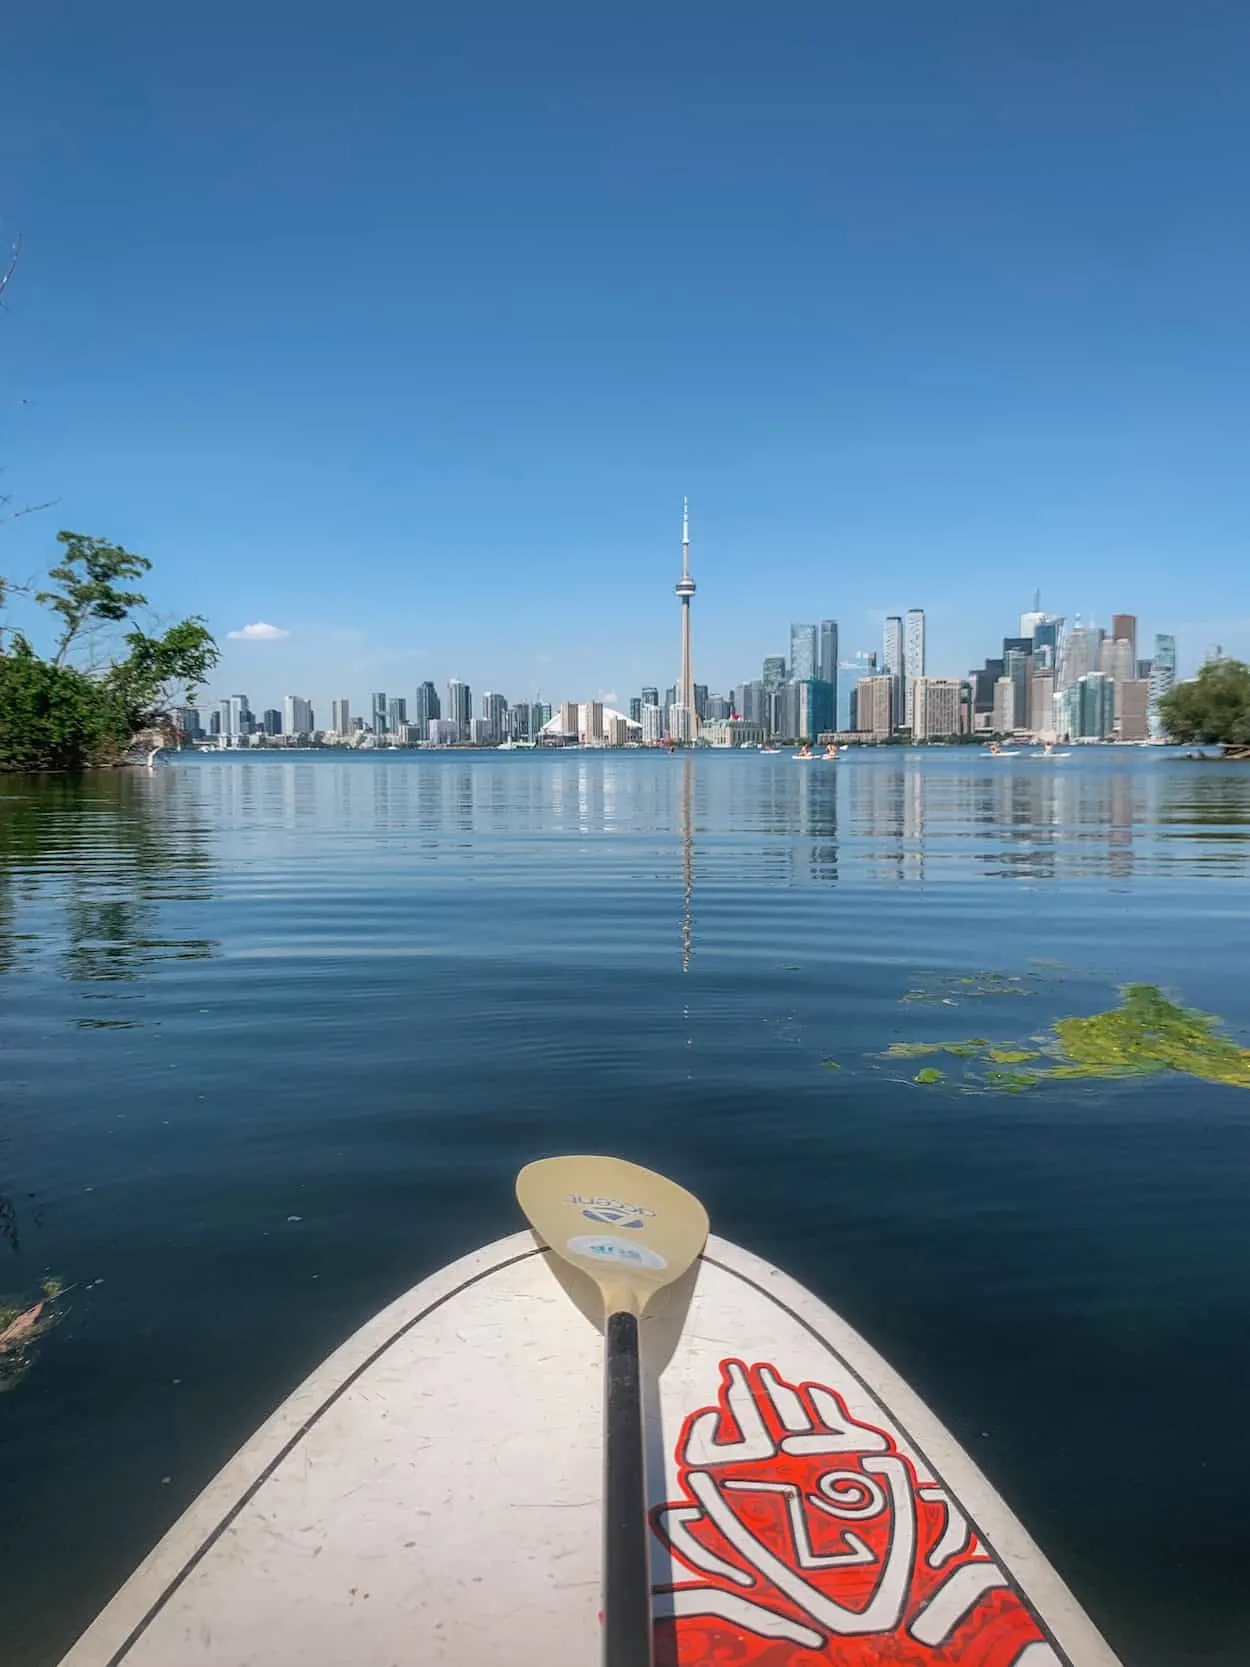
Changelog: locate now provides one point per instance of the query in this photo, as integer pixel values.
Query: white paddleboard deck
(431, 1494)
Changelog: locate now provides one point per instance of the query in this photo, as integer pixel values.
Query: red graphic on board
(804, 1538)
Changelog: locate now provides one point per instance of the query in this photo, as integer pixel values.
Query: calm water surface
(277, 1034)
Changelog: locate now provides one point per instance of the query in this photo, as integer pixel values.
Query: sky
(404, 329)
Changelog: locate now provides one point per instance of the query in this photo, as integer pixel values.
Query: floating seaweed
(1146, 1035)
(929, 1074)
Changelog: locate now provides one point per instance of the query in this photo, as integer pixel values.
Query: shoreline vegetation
(83, 707)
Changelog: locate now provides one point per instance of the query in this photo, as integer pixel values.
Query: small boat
(999, 752)
(433, 1493)
(770, 749)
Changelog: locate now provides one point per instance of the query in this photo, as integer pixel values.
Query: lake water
(278, 1032)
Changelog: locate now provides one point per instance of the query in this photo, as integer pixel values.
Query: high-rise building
(615, 730)
(1018, 666)
(187, 720)
(686, 726)
(670, 696)
(236, 717)
(1042, 703)
(716, 708)
(1003, 720)
(700, 701)
(804, 652)
(519, 722)
(296, 717)
(1144, 669)
(214, 723)
(341, 711)
(652, 726)
(428, 706)
(495, 711)
(635, 708)
(396, 714)
(459, 707)
(913, 656)
(540, 717)
(271, 722)
(377, 721)
(814, 713)
(569, 724)
(827, 668)
(1162, 679)
(1116, 659)
(874, 706)
(893, 663)
(752, 706)
(774, 671)
(1124, 629)
(935, 707)
(650, 696)
(1133, 709)
(1082, 649)
(479, 731)
(590, 722)
(1088, 707)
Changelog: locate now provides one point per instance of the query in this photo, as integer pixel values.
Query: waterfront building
(913, 659)
(377, 713)
(774, 672)
(396, 714)
(296, 717)
(1003, 720)
(495, 712)
(874, 706)
(341, 713)
(935, 707)
(1133, 709)
(1162, 679)
(459, 707)
(652, 726)
(427, 706)
(893, 664)
(804, 652)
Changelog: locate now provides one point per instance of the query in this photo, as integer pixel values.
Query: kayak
(433, 1492)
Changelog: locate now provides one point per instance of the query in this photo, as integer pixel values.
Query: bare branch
(15, 254)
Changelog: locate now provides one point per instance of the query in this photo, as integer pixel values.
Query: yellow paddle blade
(631, 1230)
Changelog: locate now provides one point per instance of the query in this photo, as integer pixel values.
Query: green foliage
(53, 717)
(87, 590)
(1214, 709)
(159, 669)
(929, 1074)
(56, 717)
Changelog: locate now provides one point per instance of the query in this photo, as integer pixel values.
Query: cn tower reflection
(685, 816)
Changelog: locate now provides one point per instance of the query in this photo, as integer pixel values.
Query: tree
(1213, 709)
(87, 580)
(54, 717)
(159, 670)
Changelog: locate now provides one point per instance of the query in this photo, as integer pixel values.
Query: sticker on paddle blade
(602, 1248)
(804, 1538)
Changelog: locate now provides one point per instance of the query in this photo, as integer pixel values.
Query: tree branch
(15, 254)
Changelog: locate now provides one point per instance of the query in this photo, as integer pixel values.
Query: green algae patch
(1146, 1035)
(929, 1074)
(921, 1050)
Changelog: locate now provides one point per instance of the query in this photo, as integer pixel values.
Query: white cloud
(260, 632)
(608, 697)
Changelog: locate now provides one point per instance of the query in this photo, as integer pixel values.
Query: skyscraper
(683, 724)
(297, 716)
(774, 671)
(650, 696)
(1082, 649)
(874, 707)
(804, 652)
(271, 722)
(1162, 679)
(342, 716)
(459, 707)
(935, 707)
(427, 706)
(1124, 629)
(893, 662)
(494, 710)
(236, 717)
(913, 655)
(377, 721)
(827, 670)
(396, 714)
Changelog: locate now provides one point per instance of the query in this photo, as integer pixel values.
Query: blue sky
(405, 328)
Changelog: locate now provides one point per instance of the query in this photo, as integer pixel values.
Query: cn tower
(687, 723)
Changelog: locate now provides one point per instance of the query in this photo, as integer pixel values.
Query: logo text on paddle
(804, 1535)
(613, 1212)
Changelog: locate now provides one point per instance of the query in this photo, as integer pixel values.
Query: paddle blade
(631, 1230)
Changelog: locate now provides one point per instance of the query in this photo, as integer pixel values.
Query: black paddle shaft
(626, 1568)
